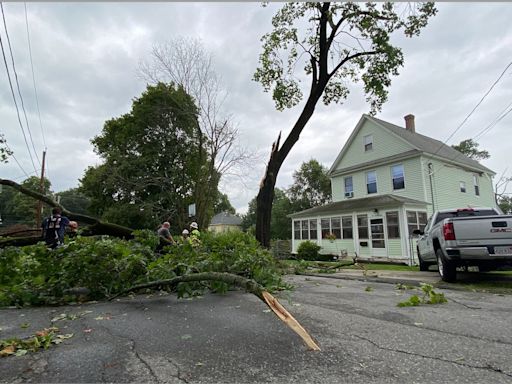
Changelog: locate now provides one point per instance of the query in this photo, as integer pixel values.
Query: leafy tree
(505, 203)
(186, 63)
(5, 152)
(153, 157)
(469, 147)
(311, 186)
(223, 204)
(23, 207)
(280, 225)
(335, 43)
(74, 200)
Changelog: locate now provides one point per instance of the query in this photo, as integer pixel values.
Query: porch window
(368, 143)
(305, 229)
(296, 230)
(462, 186)
(416, 220)
(476, 184)
(371, 182)
(336, 227)
(326, 227)
(346, 223)
(397, 175)
(393, 225)
(362, 226)
(312, 229)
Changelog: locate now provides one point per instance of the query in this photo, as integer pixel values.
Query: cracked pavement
(233, 338)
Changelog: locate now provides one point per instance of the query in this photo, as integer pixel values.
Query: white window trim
(392, 179)
(365, 143)
(376, 183)
(345, 185)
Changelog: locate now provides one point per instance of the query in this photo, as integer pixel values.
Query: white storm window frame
(368, 143)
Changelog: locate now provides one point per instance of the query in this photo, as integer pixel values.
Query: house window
(312, 229)
(326, 227)
(305, 229)
(336, 227)
(371, 182)
(362, 226)
(393, 225)
(416, 220)
(349, 187)
(296, 230)
(397, 174)
(348, 232)
(477, 186)
(368, 143)
(462, 186)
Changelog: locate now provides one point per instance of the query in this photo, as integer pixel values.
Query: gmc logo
(495, 230)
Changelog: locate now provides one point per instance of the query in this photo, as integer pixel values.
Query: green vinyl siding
(446, 179)
(337, 246)
(414, 187)
(395, 249)
(384, 144)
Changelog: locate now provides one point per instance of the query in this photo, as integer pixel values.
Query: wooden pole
(41, 189)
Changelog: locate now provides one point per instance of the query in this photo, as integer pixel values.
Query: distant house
(386, 181)
(225, 221)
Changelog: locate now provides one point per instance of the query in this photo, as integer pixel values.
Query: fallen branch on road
(249, 285)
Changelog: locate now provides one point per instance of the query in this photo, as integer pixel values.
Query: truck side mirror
(418, 232)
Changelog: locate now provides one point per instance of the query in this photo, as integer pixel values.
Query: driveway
(233, 338)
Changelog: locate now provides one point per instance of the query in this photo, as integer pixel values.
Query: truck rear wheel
(447, 269)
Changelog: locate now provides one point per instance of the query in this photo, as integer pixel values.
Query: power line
(15, 103)
(474, 109)
(17, 83)
(16, 160)
(33, 77)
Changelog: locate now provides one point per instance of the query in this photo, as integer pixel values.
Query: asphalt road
(233, 338)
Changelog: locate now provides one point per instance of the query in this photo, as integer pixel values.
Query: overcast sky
(86, 55)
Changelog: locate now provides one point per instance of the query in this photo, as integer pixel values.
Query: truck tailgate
(496, 229)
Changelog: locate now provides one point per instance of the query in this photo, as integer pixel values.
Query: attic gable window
(368, 143)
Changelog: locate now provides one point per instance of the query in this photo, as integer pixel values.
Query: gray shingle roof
(430, 146)
(365, 202)
(225, 218)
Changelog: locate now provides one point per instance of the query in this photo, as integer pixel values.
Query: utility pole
(41, 189)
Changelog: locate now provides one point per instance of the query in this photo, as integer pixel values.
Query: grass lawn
(332, 266)
(383, 267)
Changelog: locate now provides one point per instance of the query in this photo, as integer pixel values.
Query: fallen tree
(249, 285)
(96, 226)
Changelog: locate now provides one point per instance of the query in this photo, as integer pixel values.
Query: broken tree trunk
(97, 227)
(248, 284)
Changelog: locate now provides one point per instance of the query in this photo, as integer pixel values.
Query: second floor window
(371, 182)
(463, 187)
(349, 186)
(397, 174)
(368, 143)
(477, 186)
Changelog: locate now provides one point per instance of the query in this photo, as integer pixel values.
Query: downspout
(430, 174)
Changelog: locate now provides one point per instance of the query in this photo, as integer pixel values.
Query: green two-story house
(386, 181)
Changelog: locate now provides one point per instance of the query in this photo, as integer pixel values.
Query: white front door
(378, 238)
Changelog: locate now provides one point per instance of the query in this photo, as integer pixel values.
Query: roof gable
(225, 218)
(415, 141)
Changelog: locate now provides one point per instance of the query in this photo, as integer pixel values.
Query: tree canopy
(153, 156)
(311, 186)
(5, 152)
(336, 44)
(469, 147)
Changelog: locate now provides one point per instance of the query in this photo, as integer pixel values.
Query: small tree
(311, 186)
(469, 148)
(342, 43)
(5, 152)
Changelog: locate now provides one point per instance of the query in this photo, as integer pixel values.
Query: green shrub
(308, 250)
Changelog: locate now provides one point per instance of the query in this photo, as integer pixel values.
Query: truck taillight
(448, 231)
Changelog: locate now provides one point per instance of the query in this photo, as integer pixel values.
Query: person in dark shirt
(165, 236)
(54, 228)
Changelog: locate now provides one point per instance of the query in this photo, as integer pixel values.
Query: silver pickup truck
(465, 237)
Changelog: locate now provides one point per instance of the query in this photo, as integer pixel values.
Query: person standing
(164, 236)
(194, 234)
(54, 228)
